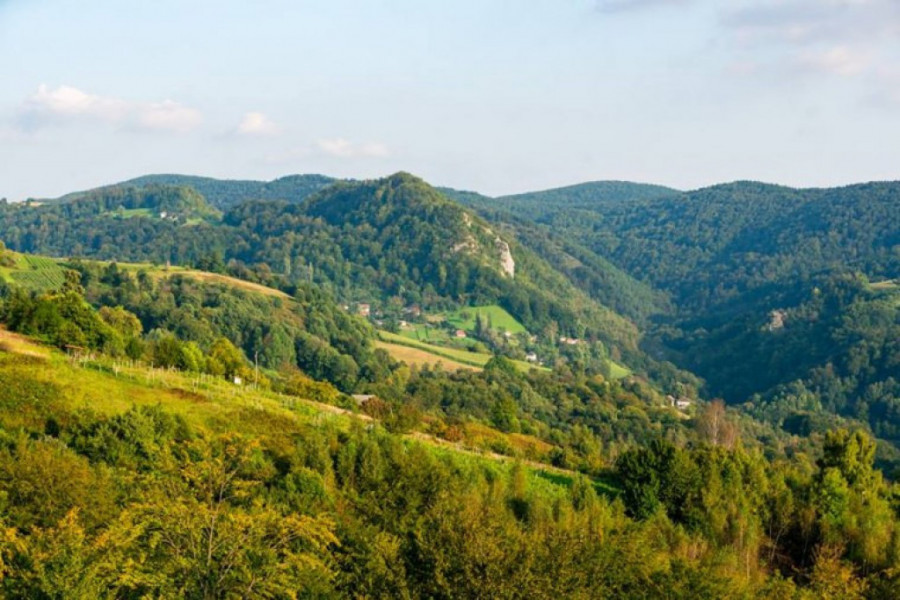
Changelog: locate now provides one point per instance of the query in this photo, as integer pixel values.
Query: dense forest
(390, 241)
(779, 298)
(204, 465)
(122, 480)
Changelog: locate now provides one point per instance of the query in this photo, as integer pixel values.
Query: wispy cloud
(257, 124)
(828, 38)
(64, 104)
(341, 148)
(615, 6)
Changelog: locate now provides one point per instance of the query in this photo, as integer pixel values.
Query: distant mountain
(763, 290)
(225, 193)
(544, 206)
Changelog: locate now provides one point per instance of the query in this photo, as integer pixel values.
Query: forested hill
(708, 246)
(393, 241)
(224, 194)
(544, 206)
(775, 295)
(554, 224)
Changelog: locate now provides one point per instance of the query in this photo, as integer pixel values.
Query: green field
(37, 273)
(499, 319)
(617, 371)
(130, 213)
(475, 359)
(423, 333)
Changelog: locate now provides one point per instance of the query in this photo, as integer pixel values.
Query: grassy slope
(417, 356)
(473, 359)
(500, 319)
(32, 272)
(42, 273)
(38, 383)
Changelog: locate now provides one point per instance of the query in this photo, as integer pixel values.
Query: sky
(498, 96)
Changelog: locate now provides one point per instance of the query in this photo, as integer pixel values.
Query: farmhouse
(681, 403)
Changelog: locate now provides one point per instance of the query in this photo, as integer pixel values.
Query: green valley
(365, 357)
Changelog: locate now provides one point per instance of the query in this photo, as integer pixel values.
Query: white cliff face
(507, 264)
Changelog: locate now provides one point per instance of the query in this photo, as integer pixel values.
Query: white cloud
(256, 123)
(66, 101)
(66, 104)
(341, 148)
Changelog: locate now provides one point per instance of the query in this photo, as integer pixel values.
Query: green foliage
(134, 501)
(388, 242)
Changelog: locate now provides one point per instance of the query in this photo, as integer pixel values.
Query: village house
(681, 403)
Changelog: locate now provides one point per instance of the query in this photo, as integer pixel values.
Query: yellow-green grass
(475, 359)
(19, 344)
(890, 284)
(500, 320)
(129, 213)
(32, 272)
(38, 384)
(425, 333)
(33, 389)
(417, 356)
(162, 271)
(617, 371)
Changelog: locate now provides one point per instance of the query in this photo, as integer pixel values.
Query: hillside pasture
(499, 319)
(472, 359)
(34, 273)
(417, 356)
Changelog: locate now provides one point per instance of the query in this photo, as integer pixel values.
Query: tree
(714, 426)
(224, 543)
(228, 356)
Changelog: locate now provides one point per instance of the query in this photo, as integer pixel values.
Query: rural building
(364, 310)
(460, 333)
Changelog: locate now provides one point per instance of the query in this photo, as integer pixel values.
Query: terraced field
(37, 273)
(417, 356)
(473, 359)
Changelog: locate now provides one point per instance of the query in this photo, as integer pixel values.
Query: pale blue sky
(496, 96)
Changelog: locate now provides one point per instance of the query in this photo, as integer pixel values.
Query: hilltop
(391, 243)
